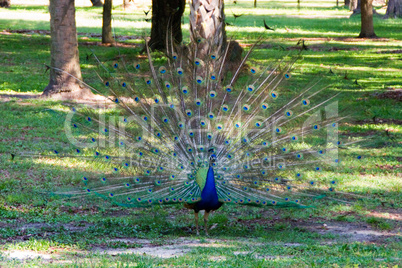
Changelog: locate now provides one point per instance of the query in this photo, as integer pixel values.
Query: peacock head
(212, 158)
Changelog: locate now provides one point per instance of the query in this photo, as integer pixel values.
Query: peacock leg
(206, 214)
(196, 222)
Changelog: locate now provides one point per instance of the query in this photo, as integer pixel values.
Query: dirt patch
(395, 94)
(48, 229)
(171, 248)
(362, 134)
(398, 51)
(25, 255)
(349, 232)
(352, 232)
(160, 252)
(128, 241)
(73, 227)
(376, 120)
(388, 167)
(78, 210)
(180, 246)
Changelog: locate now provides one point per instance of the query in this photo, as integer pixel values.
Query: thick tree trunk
(207, 21)
(107, 36)
(96, 3)
(367, 26)
(5, 3)
(166, 18)
(207, 24)
(65, 72)
(394, 9)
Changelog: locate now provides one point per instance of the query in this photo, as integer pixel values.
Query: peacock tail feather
(189, 129)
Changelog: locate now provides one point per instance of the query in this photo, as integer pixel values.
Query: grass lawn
(37, 229)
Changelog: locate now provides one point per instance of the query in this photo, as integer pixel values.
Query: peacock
(194, 129)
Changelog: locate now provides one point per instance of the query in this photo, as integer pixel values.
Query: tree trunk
(255, 3)
(355, 6)
(166, 18)
(394, 9)
(107, 36)
(96, 3)
(207, 21)
(347, 3)
(367, 26)
(5, 3)
(65, 72)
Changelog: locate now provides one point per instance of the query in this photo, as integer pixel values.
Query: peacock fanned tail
(191, 130)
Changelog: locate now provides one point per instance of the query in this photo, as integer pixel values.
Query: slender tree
(65, 72)
(107, 36)
(367, 25)
(5, 3)
(166, 18)
(355, 6)
(394, 9)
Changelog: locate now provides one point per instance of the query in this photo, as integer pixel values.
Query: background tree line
(206, 19)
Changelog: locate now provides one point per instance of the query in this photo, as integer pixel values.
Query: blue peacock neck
(209, 196)
(209, 188)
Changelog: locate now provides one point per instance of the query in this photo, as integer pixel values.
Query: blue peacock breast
(209, 196)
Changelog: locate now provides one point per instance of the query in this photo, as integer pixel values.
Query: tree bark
(96, 3)
(5, 3)
(166, 18)
(367, 26)
(207, 24)
(355, 6)
(107, 36)
(347, 3)
(65, 72)
(394, 9)
(207, 21)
